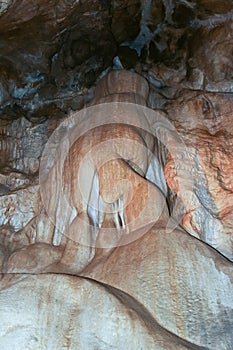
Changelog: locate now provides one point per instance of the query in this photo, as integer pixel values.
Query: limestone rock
(211, 53)
(87, 48)
(17, 209)
(74, 313)
(126, 17)
(159, 271)
(184, 284)
(165, 290)
(204, 123)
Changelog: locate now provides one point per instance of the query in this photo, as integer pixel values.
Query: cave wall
(52, 55)
(165, 290)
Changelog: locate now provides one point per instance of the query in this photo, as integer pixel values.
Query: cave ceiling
(53, 52)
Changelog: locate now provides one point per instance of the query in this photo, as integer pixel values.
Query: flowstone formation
(164, 282)
(170, 286)
(52, 54)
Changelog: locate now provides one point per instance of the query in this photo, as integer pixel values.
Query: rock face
(208, 138)
(146, 292)
(155, 262)
(165, 290)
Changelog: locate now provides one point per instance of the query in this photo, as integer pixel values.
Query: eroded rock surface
(207, 134)
(163, 291)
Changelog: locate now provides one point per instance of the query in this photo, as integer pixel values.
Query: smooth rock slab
(67, 312)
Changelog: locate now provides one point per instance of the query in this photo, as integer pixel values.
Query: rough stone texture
(204, 121)
(52, 54)
(125, 19)
(74, 48)
(211, 58)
